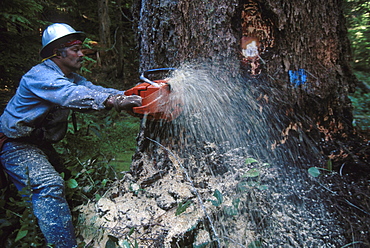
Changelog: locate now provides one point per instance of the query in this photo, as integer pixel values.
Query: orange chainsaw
(157, 103)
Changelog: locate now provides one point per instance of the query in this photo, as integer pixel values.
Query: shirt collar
(54, 66)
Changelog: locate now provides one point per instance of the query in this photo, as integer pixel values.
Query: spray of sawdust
(218, 107)
(228, 122)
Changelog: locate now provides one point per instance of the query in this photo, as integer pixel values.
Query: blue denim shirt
(43, 101)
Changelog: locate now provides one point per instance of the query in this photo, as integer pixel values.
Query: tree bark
(292, 35)
(120, 62)
(104, 22)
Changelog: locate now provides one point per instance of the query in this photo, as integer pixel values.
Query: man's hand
(122, 102)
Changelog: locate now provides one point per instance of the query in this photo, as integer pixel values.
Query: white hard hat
(56, 32)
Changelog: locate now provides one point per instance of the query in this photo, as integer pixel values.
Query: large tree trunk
(260, 82)
(293, 37)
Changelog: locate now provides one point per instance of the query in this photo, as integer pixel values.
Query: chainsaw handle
(145, 79)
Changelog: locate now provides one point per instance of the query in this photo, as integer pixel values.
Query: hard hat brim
(47, 50)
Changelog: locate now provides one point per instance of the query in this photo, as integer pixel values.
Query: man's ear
(56, 52)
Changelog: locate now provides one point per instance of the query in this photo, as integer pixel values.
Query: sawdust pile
(218, 199)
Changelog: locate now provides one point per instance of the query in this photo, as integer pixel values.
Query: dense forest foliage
(358, 22)
(22, 22)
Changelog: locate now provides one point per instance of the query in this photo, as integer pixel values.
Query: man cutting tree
(36, 117)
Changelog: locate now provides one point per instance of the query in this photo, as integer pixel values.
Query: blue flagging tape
(297, 77)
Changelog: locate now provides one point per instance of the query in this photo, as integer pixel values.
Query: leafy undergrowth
(361, 103)
(95, 155)
(111, 136)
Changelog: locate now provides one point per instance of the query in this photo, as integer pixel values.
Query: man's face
(72, 59)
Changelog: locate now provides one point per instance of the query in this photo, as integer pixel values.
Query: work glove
(122, 102)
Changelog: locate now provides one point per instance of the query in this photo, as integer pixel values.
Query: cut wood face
(256, 38)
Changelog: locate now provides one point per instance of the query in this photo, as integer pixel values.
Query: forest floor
(225, 207)
(351, 188)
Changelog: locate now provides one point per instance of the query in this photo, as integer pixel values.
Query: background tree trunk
(104, 22)
(120, 62)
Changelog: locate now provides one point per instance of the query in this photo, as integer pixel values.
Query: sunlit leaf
(126, 244)
(314, 171)
(219, 198)
(21, 234)
(104, 182)
(71, 183)
(182, 207)
(250, 161)
(131, 231)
